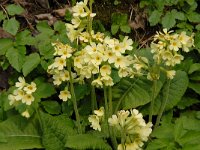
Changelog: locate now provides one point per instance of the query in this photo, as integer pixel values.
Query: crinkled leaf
(114, 28)
(162, 132)
(86, 141)
(11, 26)
(43, 27)
(81, 90)
(14, 9)
(132, 93)
(5, 45)
(177, 89)
(16, 58)
(19, 133)
(44, 89)
(52, 107)
(195, 87)
(31, 63)
(190, 138)
(154, 18)
(186, 102)
(168, 21)
(191, 147)
(194, 17)
(2, 16)
(158, 144)
(55, 131)
(25, 38)
(194, 67)
(197, 41)
(125, 28)
(178, 15)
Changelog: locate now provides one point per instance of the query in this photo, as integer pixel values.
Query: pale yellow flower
(127, 43)
(175, 45)
(30, 88)
(12, 99)
(100, 112)
(97, 58)
(105, 70)
(107, 80)
(120, 62)
(28, 99)
(19, 94)
(26, 114)
(171, 74)
(94, 120)
(21, 83)
(60, 63)
(65, 95)
(97, 82)
(76, 21)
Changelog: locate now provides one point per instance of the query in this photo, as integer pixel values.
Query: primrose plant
(92, 58)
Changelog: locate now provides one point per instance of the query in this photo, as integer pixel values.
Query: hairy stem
(163, 104)
(74, 98)
(106, 101)
(152, 100)
(110, 101)
(93, 97)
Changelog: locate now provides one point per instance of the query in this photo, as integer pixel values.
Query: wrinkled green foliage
(52, 125)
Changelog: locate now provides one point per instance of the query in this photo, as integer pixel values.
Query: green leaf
(123, 19)
(159, 144)
(168, 21)
(195, 87)
(11, 26)
(2, 16)
(5, 45)
(43, 27)
(194, 17)
(16, 58)
(86, 141)
(194, 67)
(68, 15)
(177, 89)
(55, 131)
(14, 9)
(59, 26)
(81, 90)
(31, 63)
(190, 138)
(44, 89)
(154, 18)
(133, 93)
(197, 41)
(178, 15)
(197, 27)
(191, 147)
(125, 28)
(19, 133)
(114, 28)
(52, 107)
(25, 38)
(186, 102)
(162, 132)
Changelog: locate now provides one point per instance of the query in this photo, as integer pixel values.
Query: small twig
(5, 11)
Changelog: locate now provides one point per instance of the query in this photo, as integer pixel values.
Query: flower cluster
(57, 68)
(96, 119)
(166, 49)
(23, 94)
(81, 15)
(133, 129)
(98, 58)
